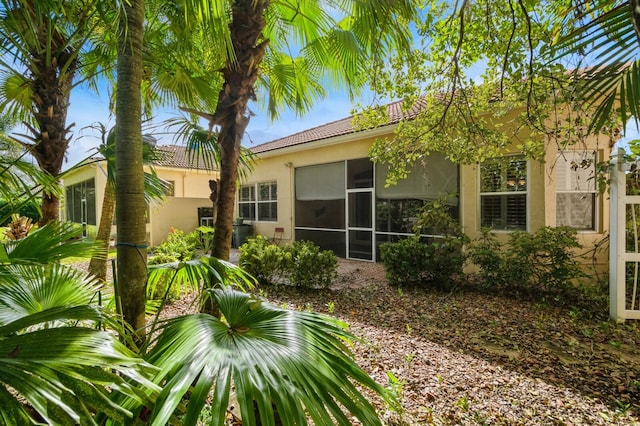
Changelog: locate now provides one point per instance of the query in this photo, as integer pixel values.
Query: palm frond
(51, 243)
(54, 358)
(62, 374)
(193, 274)
(289, 362)
(603, 33)
(35, 288)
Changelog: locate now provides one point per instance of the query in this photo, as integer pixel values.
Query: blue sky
(88, 108)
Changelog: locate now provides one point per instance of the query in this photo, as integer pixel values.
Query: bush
(308, 266)
(178, 245)
(302, 263)
(542, 260)
(262, 259)
(486, 253)
(404, 262)
(414, 262)
(204, 241)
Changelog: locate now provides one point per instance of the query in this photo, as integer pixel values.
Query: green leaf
(292, 362)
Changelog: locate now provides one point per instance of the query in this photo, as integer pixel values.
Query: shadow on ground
(558, 350)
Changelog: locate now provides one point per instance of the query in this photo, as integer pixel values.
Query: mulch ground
(471, 358)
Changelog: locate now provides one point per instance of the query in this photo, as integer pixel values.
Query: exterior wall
(281, 168)
(177, 212)
(191, 190)
(96, 171)
(541, 198)
(541, 204)
(188, 183)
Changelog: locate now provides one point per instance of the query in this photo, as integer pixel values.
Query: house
(320, 185)
(186, 207)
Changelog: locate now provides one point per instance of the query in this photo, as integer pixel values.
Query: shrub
(549, 254)
(486, 253)
(263, 260)
(178, 245)
(302, 263)
(308, 266)
(414, 261)
(540, 260)
(204, 241)
(404, 262)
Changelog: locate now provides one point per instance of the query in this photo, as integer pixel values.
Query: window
(576, 190)
(503, 193)
(259, 201)
(268, 201)
(80, 202)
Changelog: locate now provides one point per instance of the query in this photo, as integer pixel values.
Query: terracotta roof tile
(177, 156)
(336, 128)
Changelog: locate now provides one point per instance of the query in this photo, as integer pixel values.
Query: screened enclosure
(347, 207)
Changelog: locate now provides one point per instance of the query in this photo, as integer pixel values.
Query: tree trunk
(51, 94)
(98, 264)
(131, 208)
(240, 76)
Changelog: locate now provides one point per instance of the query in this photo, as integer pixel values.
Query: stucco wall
(191, 190)
(94, 170)
(281, 167)
(541, 200)
(177, 212)
(188, 183)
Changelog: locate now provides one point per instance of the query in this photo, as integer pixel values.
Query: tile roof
(173, 156)
(337, 128)
(177, 156)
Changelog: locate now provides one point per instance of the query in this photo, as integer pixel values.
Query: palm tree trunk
(98, 264)
(51, 102)
(130, 203)
(240, 76)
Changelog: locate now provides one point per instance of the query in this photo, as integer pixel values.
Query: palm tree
(155, 190)
(130, 204)
(44, 47)
(260, 37)
(282, 366)
(21, 182)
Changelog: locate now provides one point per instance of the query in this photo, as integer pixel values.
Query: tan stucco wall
(177, 212)
(280, 165)
(188, 183)
(281, 168)
(94, 170)
(191, 190)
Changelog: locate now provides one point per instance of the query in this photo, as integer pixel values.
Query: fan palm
(291, 53)
(56, 366)
(606, 33)
(45, 46)
(155, 190)
(295, 364)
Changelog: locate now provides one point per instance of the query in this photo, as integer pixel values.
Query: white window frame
(509, 187)
(575, 172)
(255, 199)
